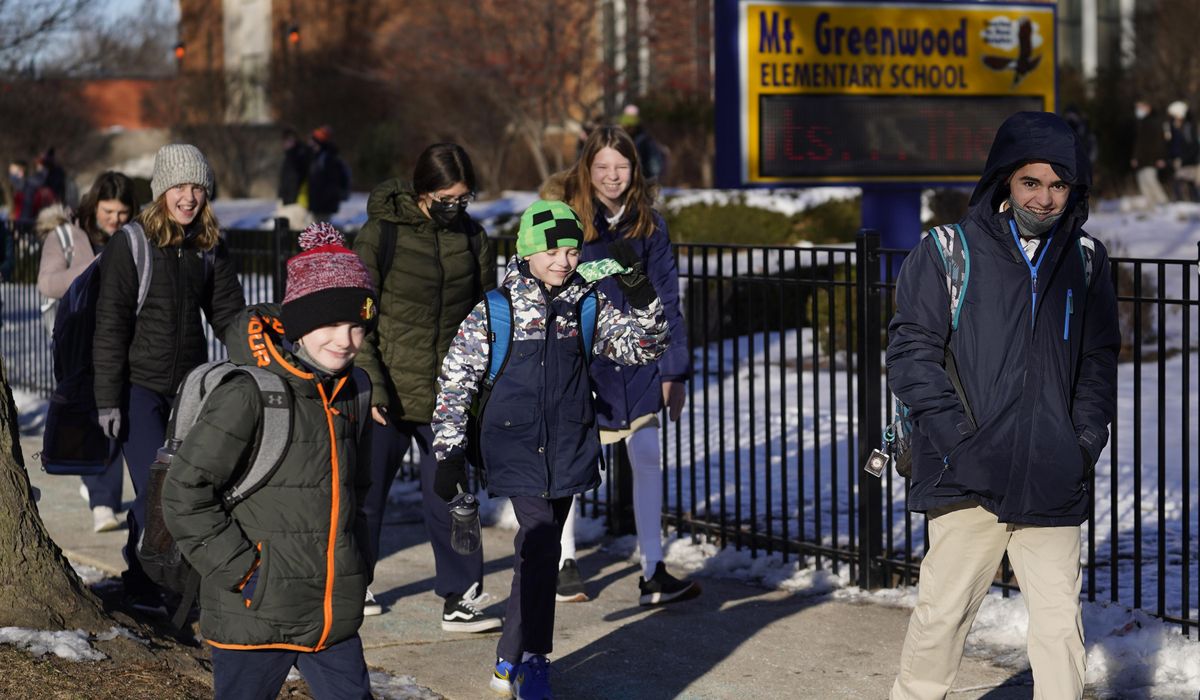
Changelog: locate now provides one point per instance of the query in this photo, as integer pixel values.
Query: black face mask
(444, 214)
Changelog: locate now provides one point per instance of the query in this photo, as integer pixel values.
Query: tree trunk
(38, 587)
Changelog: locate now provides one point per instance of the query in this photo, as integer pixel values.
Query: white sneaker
(371, 606)
(83, 493)
(104, 519)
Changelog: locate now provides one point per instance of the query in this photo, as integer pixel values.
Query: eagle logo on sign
(1007, 34)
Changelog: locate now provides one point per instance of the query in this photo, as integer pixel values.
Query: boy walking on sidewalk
(537, 433)
(284, 571)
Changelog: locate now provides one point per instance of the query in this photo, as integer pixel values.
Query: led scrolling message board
(858, 92)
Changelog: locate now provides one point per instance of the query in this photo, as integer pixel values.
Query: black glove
(451, 476)
(634, 284)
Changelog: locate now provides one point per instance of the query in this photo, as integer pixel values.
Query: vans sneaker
(531, 681)
(462, 613)
(104, 519)
(570, 584)
(371, 606)
(665, 588)
(502, 679)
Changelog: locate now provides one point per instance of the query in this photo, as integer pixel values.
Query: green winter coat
(432, 285)
(303, 531)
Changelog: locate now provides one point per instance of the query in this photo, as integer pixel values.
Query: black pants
(455, 572)
(337, 672)
(529, 620)
(144, 431)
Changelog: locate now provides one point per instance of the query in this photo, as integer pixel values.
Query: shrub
(736, 222)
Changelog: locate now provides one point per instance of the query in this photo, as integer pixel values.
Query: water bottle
(465, 536)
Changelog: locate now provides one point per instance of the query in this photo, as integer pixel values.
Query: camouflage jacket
(635, 338)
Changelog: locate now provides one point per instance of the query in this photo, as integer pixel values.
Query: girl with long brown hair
(143, 348)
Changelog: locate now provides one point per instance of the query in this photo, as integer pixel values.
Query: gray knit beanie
(178, 164)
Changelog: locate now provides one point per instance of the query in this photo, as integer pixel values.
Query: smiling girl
(142, 350)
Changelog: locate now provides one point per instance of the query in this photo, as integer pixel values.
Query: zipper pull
(1033, 310)
(1067, 316)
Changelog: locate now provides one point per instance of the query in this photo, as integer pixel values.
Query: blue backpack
(952, 246)
(73, 442)
(499, 330)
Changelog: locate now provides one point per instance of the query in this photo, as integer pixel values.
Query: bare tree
(527, 65)
(27, 23)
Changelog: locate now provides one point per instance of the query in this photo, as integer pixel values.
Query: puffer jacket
(626, 393)
(1037, 354)
(302, 532)
(539, 435)
(158, 346)
(430, 288)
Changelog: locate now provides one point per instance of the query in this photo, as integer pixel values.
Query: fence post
(279, 251)
(870, 408)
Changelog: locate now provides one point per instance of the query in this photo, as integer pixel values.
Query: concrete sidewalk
(734, 641)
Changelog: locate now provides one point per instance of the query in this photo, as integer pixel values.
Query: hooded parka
(302, 531)
(1036, 351)
(624, 393)
(432, 285)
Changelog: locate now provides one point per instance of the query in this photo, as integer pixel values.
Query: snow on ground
(72, 645)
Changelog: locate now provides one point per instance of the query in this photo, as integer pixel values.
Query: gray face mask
(1028, 223)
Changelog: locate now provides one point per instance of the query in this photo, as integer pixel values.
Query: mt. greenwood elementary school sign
(870, 92)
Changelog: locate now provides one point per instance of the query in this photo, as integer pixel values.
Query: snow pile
(72, 645)
(784, 201)
(388, 687)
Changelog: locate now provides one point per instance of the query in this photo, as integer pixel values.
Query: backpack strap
(274, 436)
(587, 324)
(66, 240)
(500, 322)
(1087, 251)
(139, 247)
(956, 257)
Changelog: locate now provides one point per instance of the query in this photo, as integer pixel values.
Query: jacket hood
(1036, 136)
(256, 337)
(394, 200)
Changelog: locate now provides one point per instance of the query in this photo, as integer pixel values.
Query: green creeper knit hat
(548, 224)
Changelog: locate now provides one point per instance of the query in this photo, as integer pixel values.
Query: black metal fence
(789, 395)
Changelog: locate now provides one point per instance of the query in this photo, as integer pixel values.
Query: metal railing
(789, 395)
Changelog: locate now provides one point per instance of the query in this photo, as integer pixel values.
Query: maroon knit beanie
(326, 284)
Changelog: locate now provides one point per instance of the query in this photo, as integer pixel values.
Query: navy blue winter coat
(624, 392)
(1041, 382)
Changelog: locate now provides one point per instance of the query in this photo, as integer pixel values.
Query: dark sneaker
(462, 613)
(371, 606)
(531, 680)
(146, 602)
(665, 588)
(570, 584)
(502, 679)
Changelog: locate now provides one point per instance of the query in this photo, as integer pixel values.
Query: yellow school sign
(878, 92)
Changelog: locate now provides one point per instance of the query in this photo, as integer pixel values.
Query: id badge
(876, 463)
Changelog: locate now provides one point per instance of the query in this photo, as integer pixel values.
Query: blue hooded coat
(624, 393)
(1036, 352)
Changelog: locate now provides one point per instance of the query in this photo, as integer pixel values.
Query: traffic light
(180, 51)
(293, 35)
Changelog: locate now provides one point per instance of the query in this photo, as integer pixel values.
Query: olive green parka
(303, 531)
(431, 286)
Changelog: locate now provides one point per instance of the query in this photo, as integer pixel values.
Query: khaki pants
(966, 546)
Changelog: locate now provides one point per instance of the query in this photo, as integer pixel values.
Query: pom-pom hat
(326, 284)
(548, 224)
